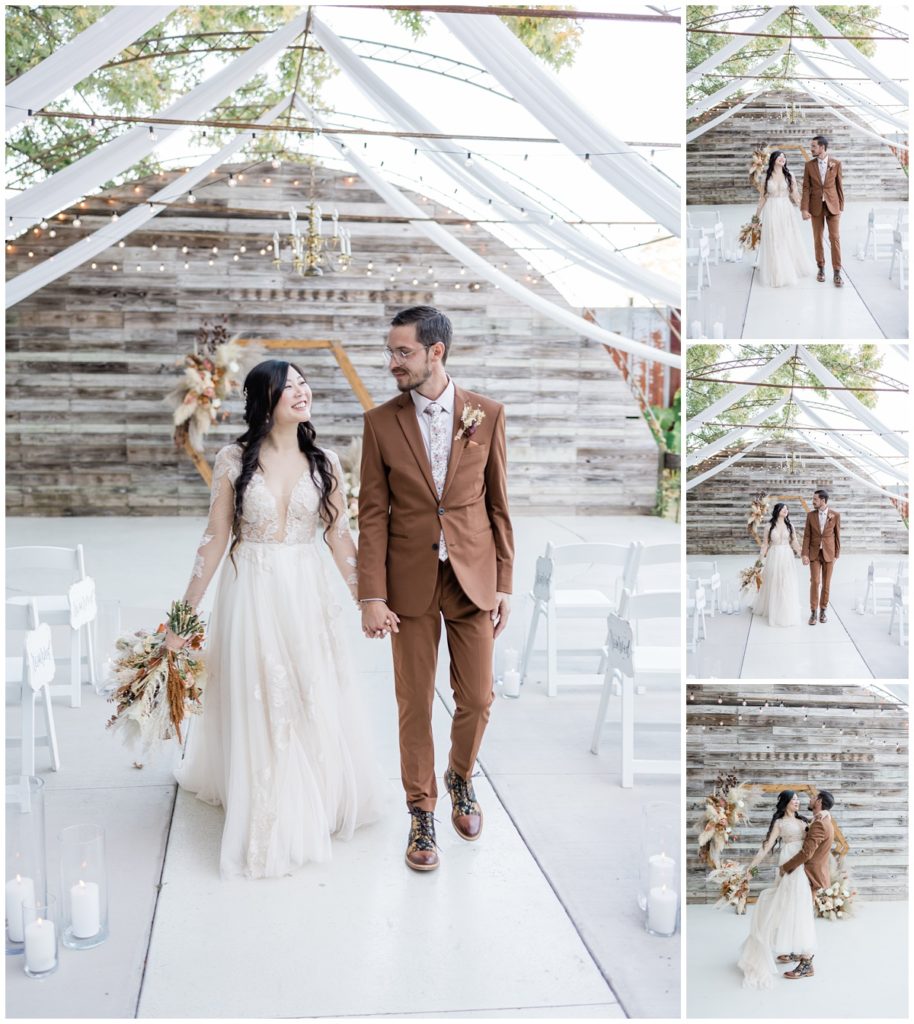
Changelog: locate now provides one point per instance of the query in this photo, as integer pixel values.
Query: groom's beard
(407, 381)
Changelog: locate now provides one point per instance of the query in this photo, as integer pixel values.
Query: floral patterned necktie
(439, 452)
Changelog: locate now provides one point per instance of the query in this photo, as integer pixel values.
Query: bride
(782, 257)
(783, 921)
(282, 744)
(779, 596)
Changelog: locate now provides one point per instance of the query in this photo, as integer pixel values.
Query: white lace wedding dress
(783, 919)
(783, 256)
(778, 598)
(282, 744)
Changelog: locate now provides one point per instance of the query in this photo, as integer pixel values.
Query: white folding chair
(711, 227)
(698, 256)
(636, 665)
(67, 568)
(553, 600)
(900, 255)
(881, 577)
(29, 671)
(899, 611)
(879, 232)
(708, 576)
(695, 611)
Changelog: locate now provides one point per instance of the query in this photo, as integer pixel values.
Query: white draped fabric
(485, 185)
(714, 470)
(847, 120)
(421, 223)
(734, 46)
(851, 94)
(848, 50)
(77, 60)
(862, 479)
(714, 122)
(737, 83)
(509, 61)
(850, 445)
(739, 390)
(850, 402)
(19, 288)
(78, 179)
(731, 437)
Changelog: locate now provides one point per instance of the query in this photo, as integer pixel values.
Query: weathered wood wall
(91, 355)
(850, 740)
(717, 509)
(717, 163)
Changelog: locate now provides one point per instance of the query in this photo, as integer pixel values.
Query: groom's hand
(807, 215)
(805, 560)
(782, 871)
(378, 620)
(500, 613)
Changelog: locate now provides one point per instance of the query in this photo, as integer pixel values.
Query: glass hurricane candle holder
(39, 928)
(26, 855)
(658, 866)
(83, 886)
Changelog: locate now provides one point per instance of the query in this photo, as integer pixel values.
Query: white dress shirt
(823, 167)
(823, 516)
(446, 400)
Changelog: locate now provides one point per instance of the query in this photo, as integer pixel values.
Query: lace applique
(199, 560)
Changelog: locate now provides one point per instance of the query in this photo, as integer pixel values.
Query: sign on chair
(542, 584)
(39, 656)
(82, 602)
(620, 645)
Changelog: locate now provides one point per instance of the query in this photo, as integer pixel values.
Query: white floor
(848, 646)
(861, 968)
(870, 305)
(538, 919)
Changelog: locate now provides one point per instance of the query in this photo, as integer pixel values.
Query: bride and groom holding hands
(778, 597)
(283, 744)
(783, 256)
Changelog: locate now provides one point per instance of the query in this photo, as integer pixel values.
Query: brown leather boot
(812, 617)
(789, 958)
(820, 277)
(822, 615)
(802, 970)
(838, 282)
(466, 814)
(421, 850)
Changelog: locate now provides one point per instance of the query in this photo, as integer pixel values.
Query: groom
(821, 549)
(814, 855)
(435, 541)
(823, 203)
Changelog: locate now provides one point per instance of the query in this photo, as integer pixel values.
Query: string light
(43, 225)
(138, 268)
(161, 267)
(276, 163)
(77, 223)
(114, 266)
(93, 265)
(152, 134)
(235, 258)
(212, 262)
(215, 249)
(52, 233)
(186, 265)
(31, 255)
(191, 198)
(231, 181)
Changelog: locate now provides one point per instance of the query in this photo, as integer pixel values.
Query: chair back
(42, 570)
(653, 604)
(589, 557)
(659, 554)
(703, 569)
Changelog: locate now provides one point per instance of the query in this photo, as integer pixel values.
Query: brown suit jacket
(817, 195)
(401, 517)
(815, 853)
(830, 539)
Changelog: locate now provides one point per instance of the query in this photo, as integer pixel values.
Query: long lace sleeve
(218, 527)
(766, 542)
(339, 536)
(766, 847)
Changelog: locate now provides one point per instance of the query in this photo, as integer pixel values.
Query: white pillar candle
(511, 683)
(695, 331)
(718, 329)
(85, 909)
(19, 890)
(510, 658)
(40, 945)
(661, 870)
(661, 910)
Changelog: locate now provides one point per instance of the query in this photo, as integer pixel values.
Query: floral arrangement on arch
(733, 880)
(759, 512)
(725, 808)
(210, 377)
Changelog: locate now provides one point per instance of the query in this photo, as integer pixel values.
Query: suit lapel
(457, 447)
(406, 415)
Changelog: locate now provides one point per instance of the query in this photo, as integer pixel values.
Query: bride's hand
(172, 641)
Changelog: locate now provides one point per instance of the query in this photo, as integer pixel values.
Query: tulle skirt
(779, 596)
(783, 921)
(783, 257)
(283, 743)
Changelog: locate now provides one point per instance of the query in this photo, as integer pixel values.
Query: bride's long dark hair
(775, 154)
(784, 798)
(774, 519)
(262, 390)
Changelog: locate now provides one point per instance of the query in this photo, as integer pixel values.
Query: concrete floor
(870, 305)
(538, 919)
(861, 968)
(848, 646)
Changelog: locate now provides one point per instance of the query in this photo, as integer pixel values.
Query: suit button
(434, 547)
(440, 511)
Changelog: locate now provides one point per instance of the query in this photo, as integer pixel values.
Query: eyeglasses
(399, 355)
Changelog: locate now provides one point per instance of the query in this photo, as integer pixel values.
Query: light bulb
(184, 249)
(161, 267)
(243, 248)
(186, 265)
(231, 181)
(93, 265)
(152, 134)
(77, 223)
(43, 224)
(52, 233)
(191, 198)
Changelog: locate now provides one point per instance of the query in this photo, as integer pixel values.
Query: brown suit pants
(415, 652)
(833, 220)
(819, 572)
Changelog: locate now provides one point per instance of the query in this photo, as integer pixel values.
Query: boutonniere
(470, 419)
